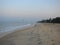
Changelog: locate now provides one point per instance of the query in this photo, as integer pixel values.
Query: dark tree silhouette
(54, 20)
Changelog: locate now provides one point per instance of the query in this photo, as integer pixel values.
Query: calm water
(6, 27)
(10, 24)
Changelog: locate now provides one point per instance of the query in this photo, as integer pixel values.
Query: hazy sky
(29, 8)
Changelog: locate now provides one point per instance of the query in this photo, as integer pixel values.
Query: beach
(39, 34)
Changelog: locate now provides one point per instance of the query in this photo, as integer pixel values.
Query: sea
(12, 26)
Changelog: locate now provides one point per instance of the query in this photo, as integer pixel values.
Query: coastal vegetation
(53, 20)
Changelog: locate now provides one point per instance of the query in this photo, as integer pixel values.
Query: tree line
(54, 20)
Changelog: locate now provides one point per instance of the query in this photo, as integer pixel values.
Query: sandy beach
(39, 34)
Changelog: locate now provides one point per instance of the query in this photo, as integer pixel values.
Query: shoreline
(23, 27)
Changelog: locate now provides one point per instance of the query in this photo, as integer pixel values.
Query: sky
(36, 9)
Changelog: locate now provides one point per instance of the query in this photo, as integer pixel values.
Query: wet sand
(39, 34)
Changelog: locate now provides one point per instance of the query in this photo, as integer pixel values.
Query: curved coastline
(4, 33)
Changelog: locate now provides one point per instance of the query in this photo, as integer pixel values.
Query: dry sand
(40, 34)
